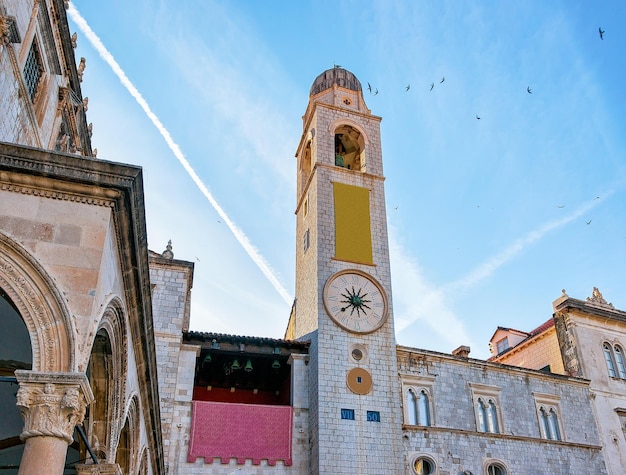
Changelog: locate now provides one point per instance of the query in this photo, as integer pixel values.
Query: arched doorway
(16, 353)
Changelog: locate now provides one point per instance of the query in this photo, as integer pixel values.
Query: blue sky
(487, 217)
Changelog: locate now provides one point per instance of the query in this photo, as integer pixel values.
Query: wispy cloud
(491, 265)
(239, 235)
(432, 307)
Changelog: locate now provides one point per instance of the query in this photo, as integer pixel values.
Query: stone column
(51, 405)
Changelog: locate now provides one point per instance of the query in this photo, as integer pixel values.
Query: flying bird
(376, 91)
(529, 90)
(369, 88)
(589, 222)
(443, 78)
(560, 206)
(597, 198)
(408, 86)
(601, 31)
(432, 84)
(477, 117)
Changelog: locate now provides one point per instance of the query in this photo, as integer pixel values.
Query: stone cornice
(591, 308)
(421, 355)
(496, 437)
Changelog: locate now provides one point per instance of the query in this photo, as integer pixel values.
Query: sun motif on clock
(355, 301)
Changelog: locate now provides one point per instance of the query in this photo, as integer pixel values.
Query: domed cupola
(336, 75)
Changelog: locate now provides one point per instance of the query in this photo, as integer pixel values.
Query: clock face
(355, 301)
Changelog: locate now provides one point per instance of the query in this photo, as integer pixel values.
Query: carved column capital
(52, 404)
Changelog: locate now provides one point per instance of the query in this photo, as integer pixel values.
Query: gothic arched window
(411, 404)
(482, 415)
(423, 409)
(418, 407)
(619, 359)
(608, 356)
(492, 418)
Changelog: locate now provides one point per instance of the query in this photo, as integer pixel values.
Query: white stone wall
(171, 285)
(608, 393)
(345, 446)
(454, 442)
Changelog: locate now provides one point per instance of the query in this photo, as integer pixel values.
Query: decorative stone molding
(106, 426)
(52, 404)
(55, 194)
(40, 305)
(100, 469)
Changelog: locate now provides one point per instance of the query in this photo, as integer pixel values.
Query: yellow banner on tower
(353, 234)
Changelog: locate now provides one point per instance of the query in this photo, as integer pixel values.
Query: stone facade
(74, 279)
(425, 412)
(42, 104)
(73, 262)
(111, 352)
(454, 440)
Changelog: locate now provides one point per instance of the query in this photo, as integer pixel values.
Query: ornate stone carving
(52, 403)
(74, 40)
(81, 70)
(47, 317)
(168, 254)
(596, 297)
(4, 30)
(57, 195)
(100, 469)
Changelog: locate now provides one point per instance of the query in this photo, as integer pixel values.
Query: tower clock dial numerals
(355, 301)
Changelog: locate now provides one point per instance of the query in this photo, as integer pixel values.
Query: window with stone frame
(418, 400)
(495, 467)
(615, 361)
(33, 70)
(486, 400)
(423, 464)
(549, 416)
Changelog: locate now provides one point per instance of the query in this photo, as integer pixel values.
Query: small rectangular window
(347, 414)
(306, 206)
(306, 241)
(13, 33)
(373, 416)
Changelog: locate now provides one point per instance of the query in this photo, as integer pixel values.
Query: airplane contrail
(241, 237)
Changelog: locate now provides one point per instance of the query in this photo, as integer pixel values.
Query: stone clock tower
(343, 285)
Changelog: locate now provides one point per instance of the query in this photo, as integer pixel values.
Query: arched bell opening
(350, 148)
(305, 165)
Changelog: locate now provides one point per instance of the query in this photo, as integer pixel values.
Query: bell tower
(343, 284)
